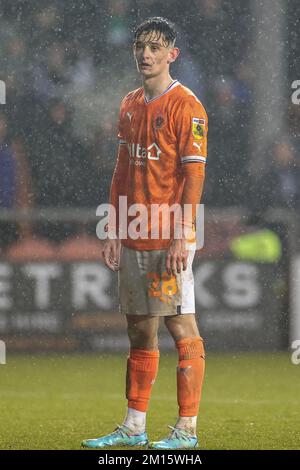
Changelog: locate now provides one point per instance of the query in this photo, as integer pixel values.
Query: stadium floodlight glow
(2, 92)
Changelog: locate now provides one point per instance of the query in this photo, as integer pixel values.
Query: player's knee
(181, 327)
(140, 337)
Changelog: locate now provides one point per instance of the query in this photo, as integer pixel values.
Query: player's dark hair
(159, 25)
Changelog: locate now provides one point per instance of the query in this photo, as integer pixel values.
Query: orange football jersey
(160, 140)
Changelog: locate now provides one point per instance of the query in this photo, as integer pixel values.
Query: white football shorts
(145, 287)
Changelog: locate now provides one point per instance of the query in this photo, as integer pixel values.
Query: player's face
(153, 55)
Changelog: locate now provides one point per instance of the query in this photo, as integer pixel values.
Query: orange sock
(142, 368)
(190, 374)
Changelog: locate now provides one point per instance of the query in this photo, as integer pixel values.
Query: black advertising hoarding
(73, 305)
(239, 305)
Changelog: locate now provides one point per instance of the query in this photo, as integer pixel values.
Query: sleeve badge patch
(198, 126)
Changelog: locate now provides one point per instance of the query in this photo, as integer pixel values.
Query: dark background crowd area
(67, 65)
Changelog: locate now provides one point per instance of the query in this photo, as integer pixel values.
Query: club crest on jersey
(159, 122)
(198, 128)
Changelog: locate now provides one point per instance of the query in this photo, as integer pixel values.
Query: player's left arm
(192, 130)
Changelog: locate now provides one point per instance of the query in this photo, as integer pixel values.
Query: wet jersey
(161, 141)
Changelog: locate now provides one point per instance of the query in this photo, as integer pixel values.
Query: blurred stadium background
(66, 66)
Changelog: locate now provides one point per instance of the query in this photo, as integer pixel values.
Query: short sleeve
(192, 128)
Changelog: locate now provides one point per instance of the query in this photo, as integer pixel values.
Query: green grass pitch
(250, 401)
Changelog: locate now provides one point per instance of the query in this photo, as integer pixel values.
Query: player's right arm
(112, 246)
(111, 253)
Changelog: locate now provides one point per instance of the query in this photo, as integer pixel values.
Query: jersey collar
(170, 87)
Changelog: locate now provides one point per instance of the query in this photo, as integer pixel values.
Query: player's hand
(176, 257)
(111, 254)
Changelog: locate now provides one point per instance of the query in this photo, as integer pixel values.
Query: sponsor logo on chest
(140, 154)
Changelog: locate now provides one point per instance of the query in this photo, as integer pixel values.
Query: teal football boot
(178, 439)
(122, 436)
